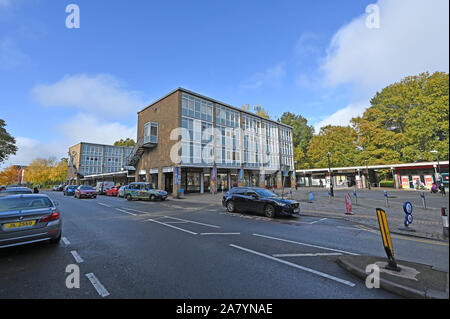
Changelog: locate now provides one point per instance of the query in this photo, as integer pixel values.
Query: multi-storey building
(96, 160)
(192, 142)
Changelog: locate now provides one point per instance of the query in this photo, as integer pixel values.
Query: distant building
(89, 162)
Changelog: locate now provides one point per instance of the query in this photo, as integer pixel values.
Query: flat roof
(389, 166)
(214, 101)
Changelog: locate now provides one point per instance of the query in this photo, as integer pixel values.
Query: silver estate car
(26, 219)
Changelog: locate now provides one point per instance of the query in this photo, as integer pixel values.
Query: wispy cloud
(10, 55)
(413, 37)
(272, 76)
(99, 94)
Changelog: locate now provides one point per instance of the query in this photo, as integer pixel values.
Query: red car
(85, 191)
(113, 191)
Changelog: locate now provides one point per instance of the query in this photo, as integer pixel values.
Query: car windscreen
(265, 193)
(23, 203)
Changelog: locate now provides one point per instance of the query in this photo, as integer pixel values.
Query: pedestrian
(36, 190)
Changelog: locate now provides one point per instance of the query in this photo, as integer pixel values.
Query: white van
(102, 187)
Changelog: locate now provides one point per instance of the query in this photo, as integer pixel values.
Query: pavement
(427, 221)
(413, 281)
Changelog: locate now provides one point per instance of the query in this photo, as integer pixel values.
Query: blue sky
(59, 86)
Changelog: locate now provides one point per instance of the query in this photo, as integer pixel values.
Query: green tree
(405, 121)
(301, 131)
(340, 141)
(128, 142)
(7, 143)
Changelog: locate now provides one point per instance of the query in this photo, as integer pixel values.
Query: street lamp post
(331, 176)
(438, 166)
(368, 175)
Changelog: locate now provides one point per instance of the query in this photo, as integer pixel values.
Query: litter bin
(180, 193)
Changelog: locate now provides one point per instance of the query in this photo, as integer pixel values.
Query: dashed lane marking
(101, 290)
(77, 257)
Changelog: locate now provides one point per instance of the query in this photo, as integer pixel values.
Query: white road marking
(351, 228)
(65, 241)
(190, 221)
(135, 210)
(345, 282)
(187, 231)
(307, 255)
(104, 205)
(308, 245)
(101, 290)
(207, 234)
(177, 222)
(317, 221)
(124, 211)
(77, 256)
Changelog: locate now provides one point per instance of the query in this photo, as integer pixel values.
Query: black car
(260, 201)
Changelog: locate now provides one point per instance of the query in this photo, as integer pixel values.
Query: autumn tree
(9, 176)
(46, 172)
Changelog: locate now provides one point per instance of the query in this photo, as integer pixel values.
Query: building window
(151, 132)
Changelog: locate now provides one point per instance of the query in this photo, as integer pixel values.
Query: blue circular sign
(407, 208)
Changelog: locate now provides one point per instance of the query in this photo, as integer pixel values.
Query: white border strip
(77, 256)
(308, 245)
(104, 205)
(124, 211)
(307, 255)
(190, 221)
(342, 281)
(65, 241)
(187, 231)
(101, 290)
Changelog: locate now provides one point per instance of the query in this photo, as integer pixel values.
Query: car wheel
(128, 197)
(269, 211)
(56, 241)
(162, 199)
(230, 206)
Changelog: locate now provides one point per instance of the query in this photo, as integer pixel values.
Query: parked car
(113, 191)
(28, 219)
(69, 190)
(259, 201)
(102, 187)
(121, 192)
(10, 191)
(85, 191)
(140, 190)
(58, 188)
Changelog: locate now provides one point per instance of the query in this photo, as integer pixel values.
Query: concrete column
(176, 187)
(202, 183)
(279, 180)
(161, 180)
(242, 182)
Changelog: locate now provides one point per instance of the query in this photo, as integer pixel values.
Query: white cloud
(413, 38)
(100, 94)
(88, 128)
(30, 149)
(342, 117)
(272, 76)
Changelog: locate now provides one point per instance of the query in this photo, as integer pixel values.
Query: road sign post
(408, 209)
(386, 197)
(422, 195)
(386, 238)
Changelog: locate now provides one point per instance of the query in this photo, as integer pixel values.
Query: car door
(253, 202)
(238, 198)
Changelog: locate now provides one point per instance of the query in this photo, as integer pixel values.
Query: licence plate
(297, 210)
(27, 223)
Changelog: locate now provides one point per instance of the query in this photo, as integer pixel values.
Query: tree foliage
(127, 142)
(9, 175)
(46, 172)
(7, 143)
